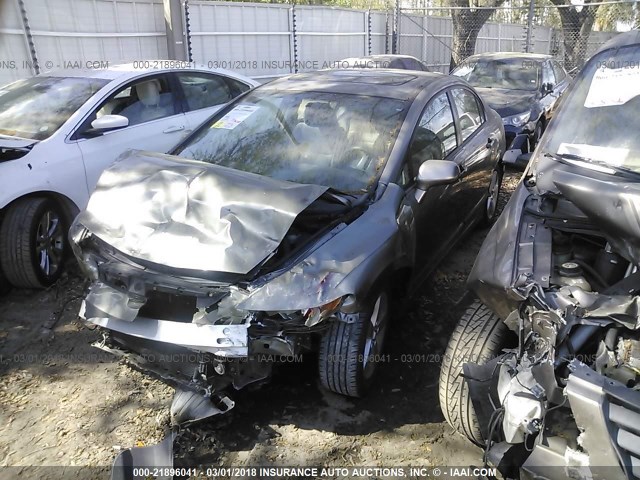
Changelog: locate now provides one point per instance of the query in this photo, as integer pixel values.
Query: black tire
(345, 365)
(489, 212)
(5, 286)
(479, 336)
(24, 237)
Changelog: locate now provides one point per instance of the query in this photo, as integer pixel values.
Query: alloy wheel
(49, 243)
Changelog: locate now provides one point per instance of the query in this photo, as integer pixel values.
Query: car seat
(151, 103)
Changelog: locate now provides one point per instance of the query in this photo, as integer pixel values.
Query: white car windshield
(512, 74)
(336, 140)
(600, 118)
(35, 108)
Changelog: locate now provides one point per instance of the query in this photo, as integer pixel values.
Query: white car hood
(11, 142)
(192, 215)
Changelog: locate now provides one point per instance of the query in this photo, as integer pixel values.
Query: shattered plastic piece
(160, 455)
(190, 407)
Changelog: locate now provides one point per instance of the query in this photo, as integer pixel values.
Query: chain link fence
(445, 36)
(266, 39)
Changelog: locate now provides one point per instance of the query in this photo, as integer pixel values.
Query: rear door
(203, 94)
(562, 78)
(549, 99)
(156, 123)
(477, 148)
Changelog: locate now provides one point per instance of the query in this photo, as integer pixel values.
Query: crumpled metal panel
(615, 210)
(624, 309)
(492, 275)
(193, 215)
(350, 260)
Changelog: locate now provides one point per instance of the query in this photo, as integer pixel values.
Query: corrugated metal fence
(258, 39)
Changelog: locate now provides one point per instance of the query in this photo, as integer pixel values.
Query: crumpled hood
(192, 215)
(507, 102)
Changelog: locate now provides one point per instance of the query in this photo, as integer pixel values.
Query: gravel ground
(72, 408)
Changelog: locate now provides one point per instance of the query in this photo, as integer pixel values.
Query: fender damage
(560, 269)
(273, 262)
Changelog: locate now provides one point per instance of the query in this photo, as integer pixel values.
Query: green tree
(577, 24)
(609, 15)
(467, 23)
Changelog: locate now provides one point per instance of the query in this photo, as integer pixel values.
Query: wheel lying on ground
(491, 205)
(479, 336)
(349, 352)
(33, 242)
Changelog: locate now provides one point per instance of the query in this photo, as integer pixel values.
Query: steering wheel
(357, 158)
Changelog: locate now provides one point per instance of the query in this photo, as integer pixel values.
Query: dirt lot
(65, 404)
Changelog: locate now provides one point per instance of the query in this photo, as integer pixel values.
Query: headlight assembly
(517, 120)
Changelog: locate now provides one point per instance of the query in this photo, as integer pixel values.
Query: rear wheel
(350, 352)
(479, 336)
(493, 194)
(33, 241)
(4, 284)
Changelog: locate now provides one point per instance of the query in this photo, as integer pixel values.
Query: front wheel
(33, 242)
(5, 286)
(491, 205)
(350, 352)
(479, 336)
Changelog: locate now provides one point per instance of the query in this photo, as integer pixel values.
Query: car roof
(509, 56)
(382, 82)
(125, 71)
(384, 56)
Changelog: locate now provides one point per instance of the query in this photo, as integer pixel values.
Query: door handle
(175, 128)
(490, 142)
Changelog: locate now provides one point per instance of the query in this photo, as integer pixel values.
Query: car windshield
(606, 99)
(35, 108)
(512, 74)
(336, 140)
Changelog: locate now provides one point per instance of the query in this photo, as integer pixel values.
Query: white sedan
(60, 130)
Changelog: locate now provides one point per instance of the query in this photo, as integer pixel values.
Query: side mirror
(109, 122)
(547, 88)
(436, 172)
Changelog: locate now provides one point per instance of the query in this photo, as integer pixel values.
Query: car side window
(435, 136)
(559, 72)
(143, 101)
(469, 112)
(547, 74)
(203, 90)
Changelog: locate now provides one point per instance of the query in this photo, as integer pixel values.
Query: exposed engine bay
(566, 402)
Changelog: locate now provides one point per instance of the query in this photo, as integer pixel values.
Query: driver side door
(434, 138)
(156, 125)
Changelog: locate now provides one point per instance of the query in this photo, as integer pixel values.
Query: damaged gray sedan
(545, 372)
(286, 223)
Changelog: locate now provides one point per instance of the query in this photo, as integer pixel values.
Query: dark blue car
(523, 88)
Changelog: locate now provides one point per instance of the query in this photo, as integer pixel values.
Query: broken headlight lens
(88, 262)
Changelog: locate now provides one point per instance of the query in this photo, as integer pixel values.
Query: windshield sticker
(235, 117)
(611, 155)
(613, 86)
